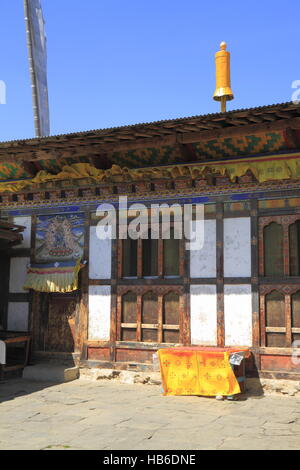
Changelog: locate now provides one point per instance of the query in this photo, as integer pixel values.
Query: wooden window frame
(160, 260)
(285, 221)
(160, 291)
(287, 291)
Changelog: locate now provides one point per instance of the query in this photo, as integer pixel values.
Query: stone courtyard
(108, 415)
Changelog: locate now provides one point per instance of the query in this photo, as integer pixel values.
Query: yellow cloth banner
(277, 167)
(75, 171)
(192, 371)
(57, 277)
(273, 167)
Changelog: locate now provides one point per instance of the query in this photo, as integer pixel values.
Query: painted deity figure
(59, 238)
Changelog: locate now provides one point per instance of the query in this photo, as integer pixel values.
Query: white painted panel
(204, 315)
(100, 256)
(26, 222)
(2, 353)
(203, 262)
(237, 247)
(99, 312)
(17, 275)
(238, 315)
(17, 319)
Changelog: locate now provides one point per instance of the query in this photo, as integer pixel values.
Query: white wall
(203, 315)
(18, 272)
(100, 256)
(238, 315)
(26, 222)
(18, 312)
(237, 247)
(99, 313)
(203, 262)
(17, 319)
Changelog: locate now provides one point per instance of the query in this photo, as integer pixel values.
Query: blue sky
(118, 62)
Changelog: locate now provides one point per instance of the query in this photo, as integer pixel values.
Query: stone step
(50, 373)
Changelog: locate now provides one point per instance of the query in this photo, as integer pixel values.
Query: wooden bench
(17, 348)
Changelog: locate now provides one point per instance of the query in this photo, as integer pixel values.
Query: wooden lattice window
(151, 257)
(150, 317)
(171, 318)
(129, 258)
(273, 250)
(171, 255)
(129, 317)
(275, 320)
(294, 248)
(279, 246)
(280, 316)
(295, 311)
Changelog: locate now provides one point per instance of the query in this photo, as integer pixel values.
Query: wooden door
(4, 282)
(55, 329)
(60, 335)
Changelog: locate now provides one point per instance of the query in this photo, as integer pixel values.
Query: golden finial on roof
(223, 91)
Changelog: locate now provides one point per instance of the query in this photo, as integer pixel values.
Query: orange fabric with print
(198, 371)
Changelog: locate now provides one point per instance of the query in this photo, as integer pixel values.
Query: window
(280, 314)
(150, 316)
(279, 246)
(296, 316)
(171, 255)
(294, 252)
(171, 318)
(273, 249)
(275, 320)
(150, 258)
(128, 326)
(129, 258)
(279, 259)
(150, 302)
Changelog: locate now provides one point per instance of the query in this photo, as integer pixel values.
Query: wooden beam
(239, 122)
(269, 117)
(284, 115)
(255, 119)
(292, 138)
(220, 275)
(254, 282)
(241, 130)
(10, 235)
(187, 152)
(10, 226)
(29, 168)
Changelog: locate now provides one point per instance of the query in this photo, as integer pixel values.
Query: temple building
(113, 303)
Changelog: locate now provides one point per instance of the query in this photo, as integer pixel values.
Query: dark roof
(229, 119)
(242, 132)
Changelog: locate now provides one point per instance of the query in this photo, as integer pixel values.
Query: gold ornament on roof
(223, 91)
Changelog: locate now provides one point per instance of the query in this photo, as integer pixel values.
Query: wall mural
(59, 238)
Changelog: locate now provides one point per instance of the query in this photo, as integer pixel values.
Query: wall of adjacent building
(18, 298)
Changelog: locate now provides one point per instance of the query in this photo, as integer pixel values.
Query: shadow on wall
(253, 384)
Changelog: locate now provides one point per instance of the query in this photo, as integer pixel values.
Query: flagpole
(32, 73)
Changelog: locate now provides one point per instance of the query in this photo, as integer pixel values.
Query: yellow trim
(56, 282)
(274, 167)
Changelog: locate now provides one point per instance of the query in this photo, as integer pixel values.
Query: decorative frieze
(55, 193)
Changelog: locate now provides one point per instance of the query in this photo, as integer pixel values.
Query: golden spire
(223, 91)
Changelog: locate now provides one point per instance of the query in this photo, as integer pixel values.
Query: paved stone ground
(109, 415)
